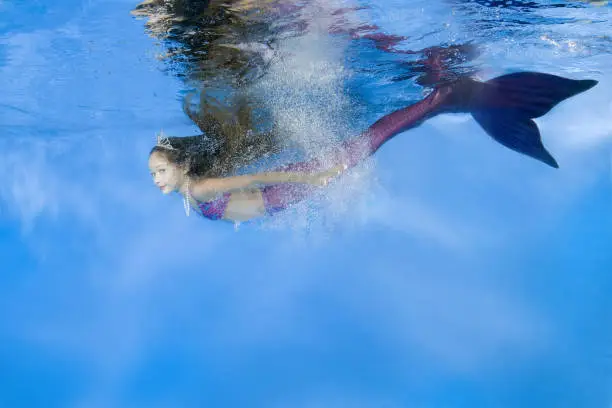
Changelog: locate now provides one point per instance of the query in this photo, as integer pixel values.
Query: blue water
(446, 272)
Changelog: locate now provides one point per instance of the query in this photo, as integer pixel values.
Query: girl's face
(168, 177)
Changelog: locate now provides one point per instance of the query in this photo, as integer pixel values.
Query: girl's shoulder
(203, 189)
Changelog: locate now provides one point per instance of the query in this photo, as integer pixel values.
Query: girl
(198, 167)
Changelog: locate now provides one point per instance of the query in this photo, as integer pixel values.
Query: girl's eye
(162, 170)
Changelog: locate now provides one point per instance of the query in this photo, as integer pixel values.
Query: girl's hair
(230, 139)
(202, 38)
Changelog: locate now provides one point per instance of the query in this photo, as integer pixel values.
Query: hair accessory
(163, 141)
(187, 199)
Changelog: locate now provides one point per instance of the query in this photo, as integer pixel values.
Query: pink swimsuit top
(214, 209)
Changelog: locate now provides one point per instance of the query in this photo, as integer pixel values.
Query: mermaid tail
(504, 107)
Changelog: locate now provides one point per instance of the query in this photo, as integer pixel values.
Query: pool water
(447, 271)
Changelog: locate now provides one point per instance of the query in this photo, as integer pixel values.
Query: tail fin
(505, 106)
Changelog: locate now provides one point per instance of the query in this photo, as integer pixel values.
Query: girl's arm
(209, 188)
